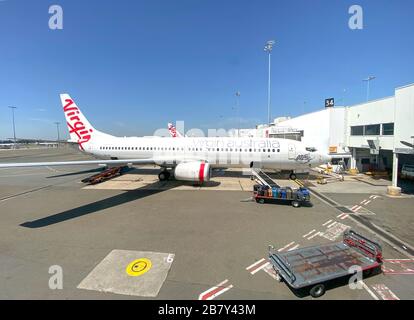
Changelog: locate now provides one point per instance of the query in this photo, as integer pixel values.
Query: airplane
(188, 158)
(173, 131)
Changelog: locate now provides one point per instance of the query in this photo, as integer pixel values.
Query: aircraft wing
(84, 162)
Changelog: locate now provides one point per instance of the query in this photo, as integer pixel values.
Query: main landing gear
(292, 176)
(164, 175)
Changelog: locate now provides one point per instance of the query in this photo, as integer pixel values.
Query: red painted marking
(399, 266)
(219, 288)
(201, 172)
(384, 292)
(258, 266)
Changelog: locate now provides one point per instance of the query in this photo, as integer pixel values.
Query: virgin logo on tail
(75, 125)
(172, 130)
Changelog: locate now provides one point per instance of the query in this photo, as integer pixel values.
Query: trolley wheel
(261, 201)
(317, 291)
(295, 204)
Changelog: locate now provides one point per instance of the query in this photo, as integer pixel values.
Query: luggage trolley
(296, 197)
(313, 267)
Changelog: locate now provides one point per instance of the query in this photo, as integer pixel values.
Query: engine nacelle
(193, 171)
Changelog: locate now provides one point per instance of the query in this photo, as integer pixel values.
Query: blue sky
(133, 66)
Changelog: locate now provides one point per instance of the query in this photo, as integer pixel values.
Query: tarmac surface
(136, 238)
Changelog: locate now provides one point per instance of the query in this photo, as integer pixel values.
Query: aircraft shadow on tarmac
(76, 173)
(111, 202)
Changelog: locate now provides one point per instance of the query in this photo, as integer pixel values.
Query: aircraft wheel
(164, 175)
(292, 176)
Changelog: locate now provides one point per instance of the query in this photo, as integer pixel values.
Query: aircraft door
(291, 152)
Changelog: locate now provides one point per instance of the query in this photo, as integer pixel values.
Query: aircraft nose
(324, 158)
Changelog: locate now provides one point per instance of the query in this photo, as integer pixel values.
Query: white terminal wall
(322, 129)
(404, 115)
(373, 112)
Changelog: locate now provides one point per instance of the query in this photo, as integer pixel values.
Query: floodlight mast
(268, 48)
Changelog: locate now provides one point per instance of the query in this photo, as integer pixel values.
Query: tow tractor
(311, 268)
(269, 191)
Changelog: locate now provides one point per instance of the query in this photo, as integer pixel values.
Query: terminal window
(388, 129)
(357, 131)
(373, 130)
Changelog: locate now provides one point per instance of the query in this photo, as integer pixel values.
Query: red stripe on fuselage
(201, 172)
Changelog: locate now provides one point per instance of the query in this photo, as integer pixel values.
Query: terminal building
(376, 135)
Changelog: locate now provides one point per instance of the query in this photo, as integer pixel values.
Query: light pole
(368, 80)
(14, 128)
(58, 133)
(237, 94)
(268, 48)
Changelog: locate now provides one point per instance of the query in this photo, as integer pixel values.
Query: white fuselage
(267, 153)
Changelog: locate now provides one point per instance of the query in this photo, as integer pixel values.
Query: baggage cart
(311, 268)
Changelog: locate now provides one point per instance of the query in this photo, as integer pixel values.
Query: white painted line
(286, 246)
(313, 236)
(295, 247)
(215, 291)
(354, 207)
(369, 290)
(332, 224)
(260, 268)
(344, 217)
(308, 234)
(255, 264)
(357, 208)
(327, 222)
(363, 201)
(372, 196)
(338, 216)
(368, 202)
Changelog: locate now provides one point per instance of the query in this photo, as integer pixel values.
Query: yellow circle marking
(138, 267)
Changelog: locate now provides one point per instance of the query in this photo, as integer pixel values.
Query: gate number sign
(329, 102)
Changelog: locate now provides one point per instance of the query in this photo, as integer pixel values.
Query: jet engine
(196, 171)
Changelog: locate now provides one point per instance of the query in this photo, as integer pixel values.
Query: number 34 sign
(329, 102)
